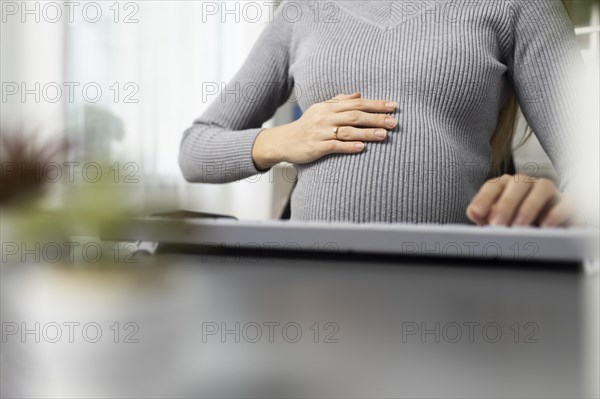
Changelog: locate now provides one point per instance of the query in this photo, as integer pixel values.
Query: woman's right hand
(314, 135)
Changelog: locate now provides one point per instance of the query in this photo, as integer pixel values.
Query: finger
(545, 211)
(561, 214)
(343, 97)
(349, 133)
(480, 206)
(364, 119)
(342, 147)
(362, 104)
(535, 202)
(505, 208)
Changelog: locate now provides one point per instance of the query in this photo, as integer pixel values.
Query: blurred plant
(22, 160)
(86, 207)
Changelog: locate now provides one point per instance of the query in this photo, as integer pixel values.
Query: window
(159, 64)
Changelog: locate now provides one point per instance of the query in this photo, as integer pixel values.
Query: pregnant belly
(389, 183)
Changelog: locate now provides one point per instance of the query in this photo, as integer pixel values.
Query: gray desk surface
(366, 350)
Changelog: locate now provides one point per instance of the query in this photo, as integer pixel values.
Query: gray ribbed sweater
(450, 64)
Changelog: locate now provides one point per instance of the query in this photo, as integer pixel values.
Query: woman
(434, 88)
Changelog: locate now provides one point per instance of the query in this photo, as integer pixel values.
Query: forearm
(211, 154)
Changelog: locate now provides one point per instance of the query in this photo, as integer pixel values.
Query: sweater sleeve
(217, 148)
(544, 66)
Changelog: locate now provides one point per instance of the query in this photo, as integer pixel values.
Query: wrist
(264, 153)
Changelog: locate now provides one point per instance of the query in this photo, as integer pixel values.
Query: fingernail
(359, 146)
(391, 122)
(520, 221)
(498, 220)
(391, 105)
(380, 133)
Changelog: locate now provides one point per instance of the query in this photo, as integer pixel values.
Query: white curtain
(163, 59)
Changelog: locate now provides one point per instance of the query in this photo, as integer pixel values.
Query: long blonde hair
(502, 138)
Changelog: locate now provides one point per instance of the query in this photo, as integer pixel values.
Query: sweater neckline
(387, 14)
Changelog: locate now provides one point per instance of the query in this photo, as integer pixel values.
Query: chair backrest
(286, 214)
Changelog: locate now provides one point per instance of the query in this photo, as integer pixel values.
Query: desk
(376, 310)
